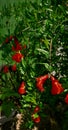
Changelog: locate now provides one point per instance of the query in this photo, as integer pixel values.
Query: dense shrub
(34, 60)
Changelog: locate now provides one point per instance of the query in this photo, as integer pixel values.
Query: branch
(5, 119)
(50, 51)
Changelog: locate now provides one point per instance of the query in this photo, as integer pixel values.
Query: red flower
(66, 99)
(13, 67)
(56, 86)
(36, 119)
(17, 57)
(17, 47)
(5, 69)
(11, 37)
(42, 78)
(16, 40)
(40, 82)
(22, 89)
(36, 109)
(40, 87)
(7, 40)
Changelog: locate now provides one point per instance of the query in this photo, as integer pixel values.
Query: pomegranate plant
(33, 63)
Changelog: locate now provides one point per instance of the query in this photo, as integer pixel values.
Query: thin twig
(50, 51)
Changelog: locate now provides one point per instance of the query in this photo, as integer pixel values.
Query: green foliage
(41, 26)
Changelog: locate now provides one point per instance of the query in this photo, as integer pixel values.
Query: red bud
(13, 67)
(37, 119)
(16, 40)
(17, 48)
(66, 99)
(6, 69)
(7, 40)
(11, 37)
(36, 109)
(21, 89)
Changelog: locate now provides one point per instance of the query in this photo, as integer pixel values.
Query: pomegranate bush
(33, 76)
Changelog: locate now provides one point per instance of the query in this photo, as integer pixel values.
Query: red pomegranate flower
(17, 47)
(66, 99)
(5, 69)
(40, 87)
(7, 40)
(42, 78)
(36, 119)
(36, 109)
(40, 82)
(16, 40)
(11, 37)
(17, 57)
(22, 89)
(56, 86)
(13, 67)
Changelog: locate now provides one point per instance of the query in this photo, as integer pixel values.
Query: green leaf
(29, 83)
(46, 43)
(26, 105)
(35, 115)
(7, 108)
(62, 28)
(47, 66)
(7, 93)
(23, 63)
(46, 53)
